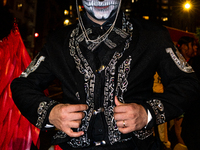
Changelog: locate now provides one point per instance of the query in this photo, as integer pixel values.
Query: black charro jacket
(128, 74)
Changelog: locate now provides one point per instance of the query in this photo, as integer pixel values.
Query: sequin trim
(33, 66)
(78, 96)
(120, 32)
(113, 133)
(42, 112)
(158, 108)
(89, 77)
(60, 134)
(126, 30)
(143, 134)
(122, 84)
(180, 61)
(110, 44)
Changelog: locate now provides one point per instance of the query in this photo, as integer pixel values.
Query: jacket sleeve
(27, 90)
(181, 86)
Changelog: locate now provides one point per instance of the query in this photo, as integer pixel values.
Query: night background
(44, 16)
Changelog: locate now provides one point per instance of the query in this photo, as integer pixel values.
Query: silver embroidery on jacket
(60, 134)
(81, 37)
(89, 77)
(158, 108)
(143, 134)
(113, 133)
(180, 61)
(42, 112)
(120, 32)
(126, 30)
(122, 81)
(78, 96)
(33, 66)
(109, 91)
(110, 43)
(107, 41)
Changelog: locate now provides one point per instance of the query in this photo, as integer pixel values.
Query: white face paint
(101, 10)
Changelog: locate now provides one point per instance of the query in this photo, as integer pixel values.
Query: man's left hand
(129, 117)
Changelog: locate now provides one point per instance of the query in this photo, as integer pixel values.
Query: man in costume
(106, 65)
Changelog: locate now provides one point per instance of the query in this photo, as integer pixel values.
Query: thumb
(117, 102)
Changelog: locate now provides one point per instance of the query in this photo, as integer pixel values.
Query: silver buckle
(95, 112)
(100, 143)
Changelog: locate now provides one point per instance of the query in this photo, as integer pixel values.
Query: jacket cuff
(156, 108)
(43, 114)
(146, 131)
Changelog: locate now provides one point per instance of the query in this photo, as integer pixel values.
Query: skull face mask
(101, 10)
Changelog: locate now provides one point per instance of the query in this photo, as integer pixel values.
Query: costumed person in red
(17, 133)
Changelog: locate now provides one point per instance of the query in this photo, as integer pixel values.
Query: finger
(71, 133)
(122, 124)
(75, 124)
(76, 116)
(117, 102)
(76, 108)
(125, 130)
(122, 116)
(121, 108)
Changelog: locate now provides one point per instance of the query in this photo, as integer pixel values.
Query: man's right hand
(68, 116)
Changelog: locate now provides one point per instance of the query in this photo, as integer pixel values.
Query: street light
(66, 22)
(187, 5)
(36, 35)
